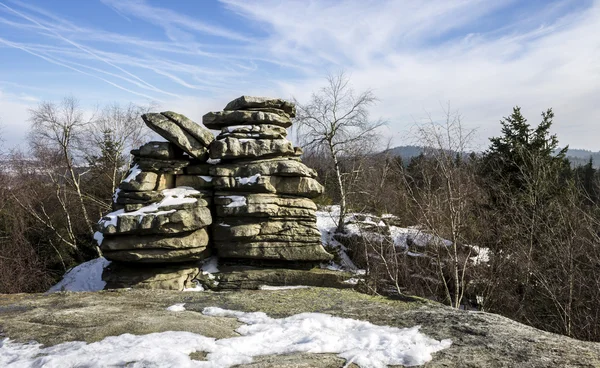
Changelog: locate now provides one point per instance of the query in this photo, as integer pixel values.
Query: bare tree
(441, 192)
(59, 128)
(336, 120)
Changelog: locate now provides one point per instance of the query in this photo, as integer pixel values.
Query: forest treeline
(537, 217)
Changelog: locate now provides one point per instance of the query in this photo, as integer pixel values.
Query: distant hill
(577, 157)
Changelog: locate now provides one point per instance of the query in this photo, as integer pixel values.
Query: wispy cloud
(482, 56)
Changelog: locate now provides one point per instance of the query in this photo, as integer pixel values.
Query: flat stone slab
(237, 149)
(263, 131)
(270, 250)
(219, 119)
(293, 185)
(159, 256)
(144, 276)
(251, 102)
(194, 239)
(254, 230)
(174, 166)
(203, 135)
(274, 167)
(158, 150)
(263, 205)
(173, 132)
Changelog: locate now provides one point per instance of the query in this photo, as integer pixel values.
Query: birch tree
(336, 121)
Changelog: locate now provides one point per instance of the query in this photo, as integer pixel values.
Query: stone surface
(165, 277)
(272, 250)
(267, 230)
(165, 181)
(145, 197)
(254, 131)
(480, 340)
(166, 221)
(198, 169)
(201, 182)
(194, 239)
(162, 166)
(175, 134)
(233, 148)
(142, 182)
(263, 205)
(157, 150)
(293, 185)
(158, 255)
(277, 166)
(220, 119)
(250, 102)
(203, 135)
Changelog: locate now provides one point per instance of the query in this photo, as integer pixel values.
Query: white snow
(233, 128)
(180, 307)
(482, 257)
(85, 277)
(207, 179)
(197, 287)
(248, 180)
(245, 140)
(352, 281)
(268, 287)
(133, 172)
(172, 197)
(213, 161)
(98, 237)
(210, 266)
(360, 342)
(236, 201)
(116, 195)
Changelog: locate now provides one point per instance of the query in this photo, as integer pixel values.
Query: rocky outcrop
(479, 340)
(262, 190)
(251, 203)
(160, 217)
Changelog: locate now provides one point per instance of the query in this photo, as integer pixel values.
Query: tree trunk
(342, 192)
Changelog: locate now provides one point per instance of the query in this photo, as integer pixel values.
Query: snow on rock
(248, 180)
(98, 237)
(85, 277)
(326, 223)
(268, 287)
(236, 201)
(210, 266)
(133, 172)
(360, 342)
(180, 307)
(172, 197)
(207, 179)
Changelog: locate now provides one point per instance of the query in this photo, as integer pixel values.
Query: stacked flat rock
(162, 209)
(262, 199)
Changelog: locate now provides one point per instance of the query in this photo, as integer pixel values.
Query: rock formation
(255, 192)
(262, 191)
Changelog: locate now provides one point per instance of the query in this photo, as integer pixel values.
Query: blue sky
(193, 56)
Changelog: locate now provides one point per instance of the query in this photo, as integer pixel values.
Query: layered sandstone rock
(262, 195)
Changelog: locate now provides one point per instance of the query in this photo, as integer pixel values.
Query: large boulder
(174, 133)
(251, 102)
(203, 135)
(292, 185)
(165, 277)
(220, 119)
(277, 167)
(235, 149)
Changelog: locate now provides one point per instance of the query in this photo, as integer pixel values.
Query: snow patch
(360, 342)
(84, 277)
(268, 287)
(236, 201)
(180, 307)
(98, 237)
(133, 173)
(207, 179)
(210, 266)
(248, 180)
(172, 197)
